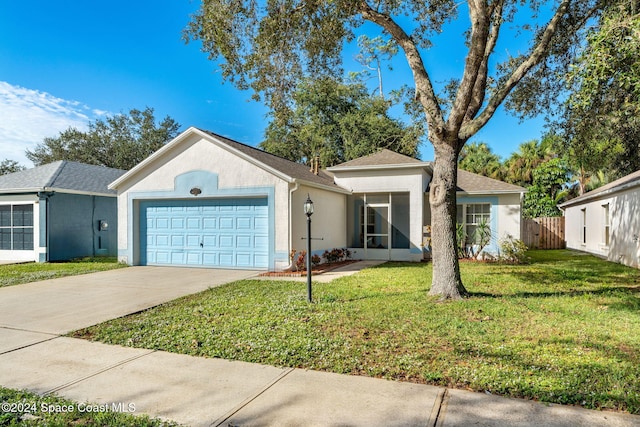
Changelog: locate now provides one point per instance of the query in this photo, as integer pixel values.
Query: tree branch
(539, 52)
(424, 88)
(479, 37)
(480, 86)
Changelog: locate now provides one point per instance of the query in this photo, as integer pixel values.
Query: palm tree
(530, 154)
(477, 157)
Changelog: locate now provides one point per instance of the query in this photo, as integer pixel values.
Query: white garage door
(229, 233)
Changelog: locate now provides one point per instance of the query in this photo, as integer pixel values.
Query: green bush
(513, 250)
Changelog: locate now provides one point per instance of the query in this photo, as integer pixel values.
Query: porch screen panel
(355, 221)
(400, 208)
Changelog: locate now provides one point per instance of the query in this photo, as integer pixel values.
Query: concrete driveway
(59, 306)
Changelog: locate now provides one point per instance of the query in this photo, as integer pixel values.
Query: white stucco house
(205, 200)
(606, 221)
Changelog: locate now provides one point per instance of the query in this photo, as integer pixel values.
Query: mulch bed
(319, 269)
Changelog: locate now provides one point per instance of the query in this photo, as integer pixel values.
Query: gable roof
(286, 167)
(628, 181)
(382, 158)
(279, 166)
(469, 182)
(62, 176)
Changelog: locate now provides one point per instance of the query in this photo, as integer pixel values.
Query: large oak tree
(270, 45)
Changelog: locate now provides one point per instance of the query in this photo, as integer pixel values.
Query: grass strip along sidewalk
(561, 329)
(20, 408)
(16, 274)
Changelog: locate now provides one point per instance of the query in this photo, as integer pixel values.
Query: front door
(376, 231)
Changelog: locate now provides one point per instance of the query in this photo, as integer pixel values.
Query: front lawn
(15, 274)
(562, 329)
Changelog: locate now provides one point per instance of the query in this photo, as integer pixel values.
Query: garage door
(229, 233)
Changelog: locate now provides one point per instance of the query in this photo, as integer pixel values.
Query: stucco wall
(328, 222)
(509, 216)
(624, 214)
(73, 226)
(235, 176)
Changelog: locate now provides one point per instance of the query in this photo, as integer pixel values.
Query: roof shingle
(282, 165)
(61, 175)
(381, 158)
(469, 182)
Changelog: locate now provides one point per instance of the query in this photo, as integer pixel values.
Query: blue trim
(207, 183)
(494, 201)
(42, 218)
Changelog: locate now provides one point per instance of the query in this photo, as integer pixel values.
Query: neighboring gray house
(606, 221)
(205, 200)
(58, 211)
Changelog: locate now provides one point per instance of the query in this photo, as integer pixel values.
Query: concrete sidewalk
(213, 392)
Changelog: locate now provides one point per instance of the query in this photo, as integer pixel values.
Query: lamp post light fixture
(308, 211)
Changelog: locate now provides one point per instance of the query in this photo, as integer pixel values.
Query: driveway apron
(59, 306)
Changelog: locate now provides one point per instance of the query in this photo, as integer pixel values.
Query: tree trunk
(446, 281)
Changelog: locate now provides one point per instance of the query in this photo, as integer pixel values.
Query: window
(474, 217)
(607, 224)
(16, 227)
(584, 226)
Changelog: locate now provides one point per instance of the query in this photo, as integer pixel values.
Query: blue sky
(69, 62)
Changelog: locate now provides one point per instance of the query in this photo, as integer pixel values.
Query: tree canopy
(337, 122)
(601, 117)
(477, 157)
(10, 166)
(547, 190)
(270, 45)
(120, 141)
(520, 165)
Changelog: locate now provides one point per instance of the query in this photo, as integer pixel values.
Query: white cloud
(28, 116)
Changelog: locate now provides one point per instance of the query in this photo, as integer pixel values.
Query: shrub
(315, 260)
(336, 255)
(513, 250)
(300, 261)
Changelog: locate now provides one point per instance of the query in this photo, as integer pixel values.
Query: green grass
(21, 408)
(563, 329)
(15, 274)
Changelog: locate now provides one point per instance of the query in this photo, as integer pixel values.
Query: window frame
(606, 229)
(584, 226)
(476, 217)
(25, 229)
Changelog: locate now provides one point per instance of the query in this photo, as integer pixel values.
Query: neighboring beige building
(606, 221)
(205, 200)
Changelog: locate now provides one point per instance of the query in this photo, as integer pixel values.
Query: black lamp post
(308, 211)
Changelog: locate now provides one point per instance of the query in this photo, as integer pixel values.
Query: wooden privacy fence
(544, 233)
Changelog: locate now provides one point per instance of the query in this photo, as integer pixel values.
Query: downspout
(291, 261)
(45, 195)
